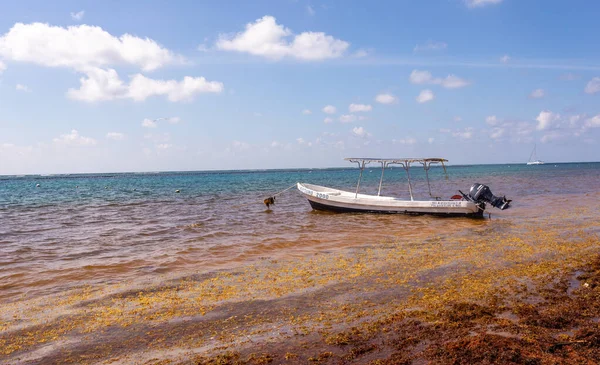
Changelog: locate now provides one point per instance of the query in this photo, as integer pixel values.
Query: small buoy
(76, 186)
(177, 191)
(134, 189)
(106, 187)
(37, 185)
(586, 285)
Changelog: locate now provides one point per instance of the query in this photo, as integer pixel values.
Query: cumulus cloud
(425, 77)
(2, 67)
(149, 123)
(466, 133)
(360, 132)
(74, 139)
(306, 112)
(492, 120)
(268, 39)
(425, 96)
(480, 3)
(386, 99)
(430, 140)
(329, 109)
(430, 46)
(537, 94)
(81, 47)
(593, 86)
(546, 119)
(102, 85)
(78, 15)
(353, 108)
(348, 118)
(328, 120)
(21, 87)
(505, 58)
(593, 122)
(115, 136)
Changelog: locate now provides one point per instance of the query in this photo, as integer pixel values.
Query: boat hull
(333, 200)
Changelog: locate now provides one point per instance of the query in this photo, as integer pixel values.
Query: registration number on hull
(313, 193)
(446, 204)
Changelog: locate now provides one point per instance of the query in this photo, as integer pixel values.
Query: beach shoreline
(498, 285)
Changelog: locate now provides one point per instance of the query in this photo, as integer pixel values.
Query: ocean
(62, 232)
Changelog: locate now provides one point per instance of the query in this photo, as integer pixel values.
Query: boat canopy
(405, 162)
(395, 160)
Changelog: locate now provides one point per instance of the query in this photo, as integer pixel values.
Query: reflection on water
(78, 230)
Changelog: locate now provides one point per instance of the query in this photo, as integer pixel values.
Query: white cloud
(115, 136)
(74, 139)
(430, 46)
(101, 85)
(300, 140)
(360, 53)
(537, 94)
(327, 120)
(149, 123)
(386, 99)
(21, 87)
(348, 118)
(310, 10)
(480, 3)
(569, 77)
(353, 108)
(425, 77)
(275, 144)
(497, 133)
(306, 112)
(81, 47)
(425, 96)
(492, 120)
(430, 140)
(457, 118)
(546, 119)
(505, 58)
(360, 132)
(2, 67)
(329, 109)
(466, 133)
(78, 15)
(593, 86)
(163, 146)
(173, 120)
(268, 39)
(593, 122)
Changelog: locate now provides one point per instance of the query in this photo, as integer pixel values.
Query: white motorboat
(533, 160)
(469, 205)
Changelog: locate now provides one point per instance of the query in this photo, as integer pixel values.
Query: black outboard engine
(480, 193)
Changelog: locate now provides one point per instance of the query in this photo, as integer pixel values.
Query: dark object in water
(480, 193)
(269, 201)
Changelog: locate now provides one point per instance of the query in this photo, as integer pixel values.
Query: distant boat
(533, 160)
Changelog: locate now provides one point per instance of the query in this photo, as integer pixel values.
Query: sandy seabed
(510, 291)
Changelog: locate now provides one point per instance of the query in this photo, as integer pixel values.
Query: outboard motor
(480, 193)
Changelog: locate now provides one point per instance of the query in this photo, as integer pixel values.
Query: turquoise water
(75, 230)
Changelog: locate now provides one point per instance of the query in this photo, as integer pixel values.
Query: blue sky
(156, 85)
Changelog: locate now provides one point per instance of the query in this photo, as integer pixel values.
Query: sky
(88, 86)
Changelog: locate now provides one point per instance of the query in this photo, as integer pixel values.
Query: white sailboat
(533, 160)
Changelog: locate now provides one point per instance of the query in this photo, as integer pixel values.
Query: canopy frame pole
(362, 167)
(427, 176)
(383, 166)
(406, 166)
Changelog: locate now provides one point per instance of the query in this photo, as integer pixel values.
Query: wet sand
(507, 290)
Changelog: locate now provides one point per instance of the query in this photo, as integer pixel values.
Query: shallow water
(76, 230)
